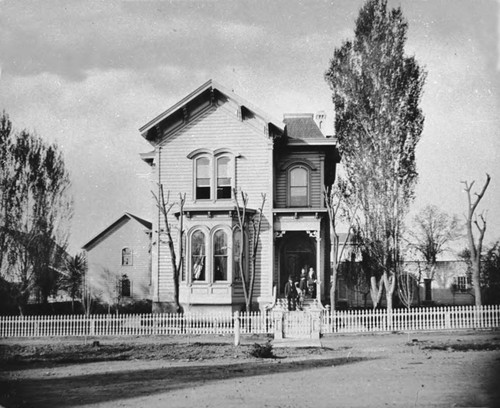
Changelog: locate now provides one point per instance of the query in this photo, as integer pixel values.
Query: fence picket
(346, 321)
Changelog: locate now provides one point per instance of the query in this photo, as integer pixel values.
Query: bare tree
(432, 230)
(336, 203)
(248, 276)
(407, 288)
(475, 245)
(165, 206)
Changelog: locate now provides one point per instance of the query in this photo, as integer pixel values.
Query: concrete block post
(236, 328)
(278, 324)
(315, 323)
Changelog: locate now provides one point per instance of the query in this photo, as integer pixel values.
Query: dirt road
(396, 370)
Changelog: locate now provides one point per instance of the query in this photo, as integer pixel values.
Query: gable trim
(116, 223)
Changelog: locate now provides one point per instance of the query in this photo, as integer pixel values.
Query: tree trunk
(333, 288)
(375, 291)
(476, 268)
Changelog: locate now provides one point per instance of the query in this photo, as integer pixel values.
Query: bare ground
(459, 369)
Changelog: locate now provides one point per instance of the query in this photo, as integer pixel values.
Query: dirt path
(350, 371)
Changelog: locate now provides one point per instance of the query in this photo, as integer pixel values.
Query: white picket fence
(414, 319)
(417, 319)
(132, 325)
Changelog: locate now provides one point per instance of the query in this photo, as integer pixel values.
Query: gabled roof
(147, 224)
(212, 87)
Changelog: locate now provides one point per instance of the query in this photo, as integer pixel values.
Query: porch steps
(308, 304)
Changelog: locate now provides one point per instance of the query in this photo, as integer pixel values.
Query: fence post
(447, 318)
(315, 323)
(278, 324)
(236, 328)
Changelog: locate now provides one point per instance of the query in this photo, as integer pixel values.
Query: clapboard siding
(217, 128)
(316, 187)
(104, 260)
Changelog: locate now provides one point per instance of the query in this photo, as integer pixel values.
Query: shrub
(262, 351)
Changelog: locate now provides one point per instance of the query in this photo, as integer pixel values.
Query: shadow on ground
(105, 387)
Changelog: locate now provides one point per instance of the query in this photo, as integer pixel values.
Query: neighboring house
(450, 284)
(119, 260)
(210, 143)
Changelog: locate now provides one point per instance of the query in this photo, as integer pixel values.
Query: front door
(297, 252)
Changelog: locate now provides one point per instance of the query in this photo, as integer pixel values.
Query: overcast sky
(87, 75)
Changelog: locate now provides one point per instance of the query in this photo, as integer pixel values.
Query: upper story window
(213, 173)
(299, 186)
(198, 261)
(224, 185)
(126, 256)
(203, 178)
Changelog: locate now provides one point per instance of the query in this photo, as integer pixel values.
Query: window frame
(121, 285)
(230, 171)
(214, 157)
(227, 255)
(209, 255)
(307, 187)
(195, 178)
(189, 270)
(130, 256)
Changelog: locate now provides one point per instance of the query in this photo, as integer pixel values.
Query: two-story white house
(210, 144)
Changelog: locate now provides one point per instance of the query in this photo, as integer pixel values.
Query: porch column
(316, 235)
(319, 280)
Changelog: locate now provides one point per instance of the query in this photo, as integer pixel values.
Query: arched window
(223, 177)
(203, 178)
(124, 286)
(198, 261)
(126, 256)
(238, 251)
(220, 256)
(299, 187)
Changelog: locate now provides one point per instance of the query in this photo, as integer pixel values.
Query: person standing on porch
(303, 282)
(291, 293)
(311, 282)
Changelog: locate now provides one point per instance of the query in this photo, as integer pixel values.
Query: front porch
(299, 245)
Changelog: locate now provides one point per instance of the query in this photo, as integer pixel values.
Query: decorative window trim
(127, 258)
(189, 255)
(229, 247)
(195, 177)
(297, 162)
(289, 185)
(209, 255)
(214, 157)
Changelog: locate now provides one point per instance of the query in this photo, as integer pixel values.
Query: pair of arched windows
(214, 256)
(213, 177)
